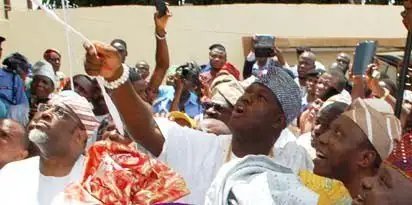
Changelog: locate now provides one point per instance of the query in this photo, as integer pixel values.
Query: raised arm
(136, 113)
(162, 56)
(358, 89)
(248, 65)
(383, 93)
(280, 57)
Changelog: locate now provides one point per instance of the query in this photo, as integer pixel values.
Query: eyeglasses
(56, 110)
(59, 112)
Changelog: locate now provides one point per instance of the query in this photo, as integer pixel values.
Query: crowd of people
(202, 134)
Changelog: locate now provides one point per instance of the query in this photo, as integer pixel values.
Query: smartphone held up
(264, 46)
(161, 7)
(364, 53)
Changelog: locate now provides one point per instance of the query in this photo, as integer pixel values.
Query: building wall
(19, 5)
(193, 28)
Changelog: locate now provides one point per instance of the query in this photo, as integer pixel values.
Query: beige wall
(193, 29)
(19, 5)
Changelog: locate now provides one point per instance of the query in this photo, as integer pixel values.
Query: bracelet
(159, 37)
(120, 81)
(386, 94)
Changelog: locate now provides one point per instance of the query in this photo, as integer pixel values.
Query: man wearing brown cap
(60, 130)
(226, 90)
(356, 143)
(393, 183)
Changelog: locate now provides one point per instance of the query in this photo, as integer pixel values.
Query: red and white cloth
(117, 174)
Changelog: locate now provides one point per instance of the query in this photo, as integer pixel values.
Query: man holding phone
(364, 55)
(261, 55)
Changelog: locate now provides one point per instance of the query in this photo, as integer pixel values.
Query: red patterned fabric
(401, 156)
(232, 70)
(117, 174)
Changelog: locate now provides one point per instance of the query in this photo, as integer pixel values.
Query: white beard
(37, 136)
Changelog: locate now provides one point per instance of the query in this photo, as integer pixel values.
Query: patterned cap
(80, 106)
(285, 89)
(375, 118)
(226, 90)
(401, 156)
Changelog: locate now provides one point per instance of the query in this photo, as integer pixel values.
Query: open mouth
(320, 155)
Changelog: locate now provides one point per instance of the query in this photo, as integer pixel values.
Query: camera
(264, 46)
(188, 71)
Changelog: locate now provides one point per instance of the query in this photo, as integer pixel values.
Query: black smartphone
(264, 46)
(161, 7)
(363, 56)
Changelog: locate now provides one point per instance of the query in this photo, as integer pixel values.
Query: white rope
(110, 105)
(53, 15)
(112, 108)
(69, 50)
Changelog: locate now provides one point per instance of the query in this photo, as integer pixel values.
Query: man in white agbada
(259, 117)
(60, 130)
